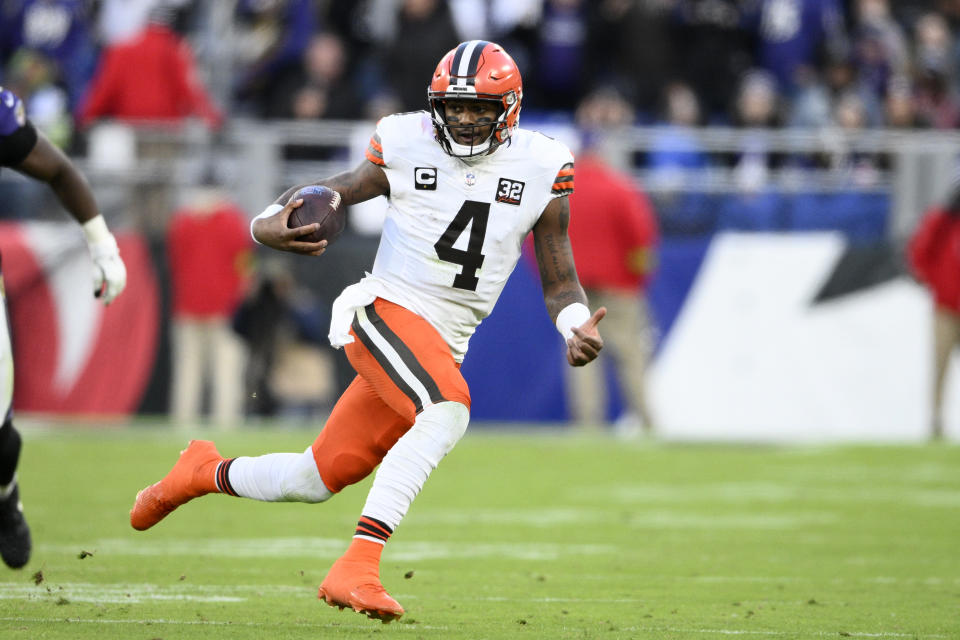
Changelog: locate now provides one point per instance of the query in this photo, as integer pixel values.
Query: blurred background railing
(689, 172)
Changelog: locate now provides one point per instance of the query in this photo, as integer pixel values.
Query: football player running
(28, 151)
(465, 185)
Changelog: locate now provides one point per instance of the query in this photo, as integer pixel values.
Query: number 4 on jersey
(471, 259)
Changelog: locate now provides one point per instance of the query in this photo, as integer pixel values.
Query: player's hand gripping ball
(320, 205)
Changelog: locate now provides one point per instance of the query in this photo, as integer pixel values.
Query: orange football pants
(403, 366)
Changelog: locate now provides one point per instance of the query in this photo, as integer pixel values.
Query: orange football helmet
(476, 70)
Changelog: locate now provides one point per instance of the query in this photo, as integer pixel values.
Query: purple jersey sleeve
(17, 135)
(12, 114)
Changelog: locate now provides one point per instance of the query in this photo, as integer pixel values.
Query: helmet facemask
(448, 129)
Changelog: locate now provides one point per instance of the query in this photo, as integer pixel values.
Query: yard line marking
(10, 590)
(127, 593)
(307, 547)
(330, 548)
(89, 592)
(673, 519)
(541, 518)
(95, 598)
(114, 592)
(771, 492)
(147, 587)
(222, 623)
(669, 520)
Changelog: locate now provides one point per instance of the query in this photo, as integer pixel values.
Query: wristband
(271, 210)
(572, 315)
(95, 230)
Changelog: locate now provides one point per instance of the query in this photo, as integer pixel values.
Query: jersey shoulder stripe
(374, 151)
(552, 159)
(563, 183)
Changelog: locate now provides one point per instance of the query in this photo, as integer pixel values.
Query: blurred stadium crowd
(808, 63)
(842, 67)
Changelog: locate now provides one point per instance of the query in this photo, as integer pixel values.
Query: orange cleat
(357, 585)
(191, 477)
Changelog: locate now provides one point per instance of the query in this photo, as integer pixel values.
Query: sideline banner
(71, 354)
(796, 338)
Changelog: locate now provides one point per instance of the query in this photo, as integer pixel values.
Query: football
(320, 205)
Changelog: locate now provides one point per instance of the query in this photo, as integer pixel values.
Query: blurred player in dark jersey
(29, 152)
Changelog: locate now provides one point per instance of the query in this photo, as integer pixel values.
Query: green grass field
(515, 536)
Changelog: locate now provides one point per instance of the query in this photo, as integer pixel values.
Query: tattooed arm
(364, 182)
(558, 275)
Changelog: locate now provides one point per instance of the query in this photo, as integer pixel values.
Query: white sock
(278, 477)
(408, 463)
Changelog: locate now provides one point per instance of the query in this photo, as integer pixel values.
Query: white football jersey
(454, 228)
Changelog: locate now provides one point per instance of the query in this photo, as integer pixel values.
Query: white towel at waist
(344, 308)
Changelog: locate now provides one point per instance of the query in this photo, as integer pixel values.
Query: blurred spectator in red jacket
(613, 232)
(208, 246)
(151, 76)
(934, 254)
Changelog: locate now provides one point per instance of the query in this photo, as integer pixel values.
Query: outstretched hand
(586, 343)
(273, 232)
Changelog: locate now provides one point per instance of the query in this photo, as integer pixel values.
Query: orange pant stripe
(395, 358)
(402, 365)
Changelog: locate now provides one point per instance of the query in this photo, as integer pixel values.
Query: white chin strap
(467, 150)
